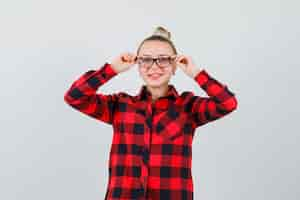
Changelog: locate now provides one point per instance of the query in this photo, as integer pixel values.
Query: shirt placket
(147, 145)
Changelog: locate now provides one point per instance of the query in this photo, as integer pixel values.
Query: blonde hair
(160, 34)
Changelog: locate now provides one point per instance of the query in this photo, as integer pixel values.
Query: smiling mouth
(154, 75)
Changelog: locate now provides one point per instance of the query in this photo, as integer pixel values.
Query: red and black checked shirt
(151, 150)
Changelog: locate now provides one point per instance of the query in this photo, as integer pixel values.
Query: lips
(154, 75)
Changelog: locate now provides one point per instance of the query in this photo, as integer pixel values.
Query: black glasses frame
(171, 58)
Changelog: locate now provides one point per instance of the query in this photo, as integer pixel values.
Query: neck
(157, 92)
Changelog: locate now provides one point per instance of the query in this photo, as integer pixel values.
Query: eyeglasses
(163, 62)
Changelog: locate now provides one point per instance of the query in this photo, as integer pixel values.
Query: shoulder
(124, 96)
(188, 99)
(188, 96)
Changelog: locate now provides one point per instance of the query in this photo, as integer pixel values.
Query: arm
(82, 94)
(221, 100)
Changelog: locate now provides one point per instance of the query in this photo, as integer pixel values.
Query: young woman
(151, 150)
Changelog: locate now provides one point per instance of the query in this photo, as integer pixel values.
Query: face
(156, 75)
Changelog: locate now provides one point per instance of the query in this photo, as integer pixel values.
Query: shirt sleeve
(220, 101)
(82, 94)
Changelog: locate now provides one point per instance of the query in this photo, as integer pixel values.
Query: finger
(181, 60)
(182, 68)
(128, 58)
(132, 57)
(135, 56)
(184, 60)
(123, 58)
(135, 59)
(178, 57)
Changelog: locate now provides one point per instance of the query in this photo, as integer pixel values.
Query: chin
(156, 83)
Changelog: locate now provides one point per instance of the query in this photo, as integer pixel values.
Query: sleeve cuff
(108, 70)
(202, 77)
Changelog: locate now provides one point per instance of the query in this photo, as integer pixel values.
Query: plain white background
(50, 151)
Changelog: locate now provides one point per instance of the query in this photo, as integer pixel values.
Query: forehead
(155, 48)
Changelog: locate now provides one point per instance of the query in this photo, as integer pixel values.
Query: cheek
(169, 72)
(173, 68)
(168, 75)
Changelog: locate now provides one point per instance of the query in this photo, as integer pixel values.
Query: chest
(162, 122)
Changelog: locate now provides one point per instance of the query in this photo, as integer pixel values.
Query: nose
(154, 67)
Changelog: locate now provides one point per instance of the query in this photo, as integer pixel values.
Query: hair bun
(161, 31)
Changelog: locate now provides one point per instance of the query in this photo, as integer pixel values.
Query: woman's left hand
(187, 65)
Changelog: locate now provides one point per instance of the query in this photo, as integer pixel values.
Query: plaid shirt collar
(144, 94)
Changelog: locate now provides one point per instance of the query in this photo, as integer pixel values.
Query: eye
(147, 59)
(164, 60)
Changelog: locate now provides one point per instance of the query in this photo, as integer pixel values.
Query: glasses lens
(164, 61)
(146, 61)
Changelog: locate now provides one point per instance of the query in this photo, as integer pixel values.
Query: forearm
(221, 100)
(88, 83)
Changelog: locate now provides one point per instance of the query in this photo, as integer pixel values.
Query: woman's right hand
(123, 62)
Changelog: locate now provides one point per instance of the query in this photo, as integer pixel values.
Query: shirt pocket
(172, 124)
